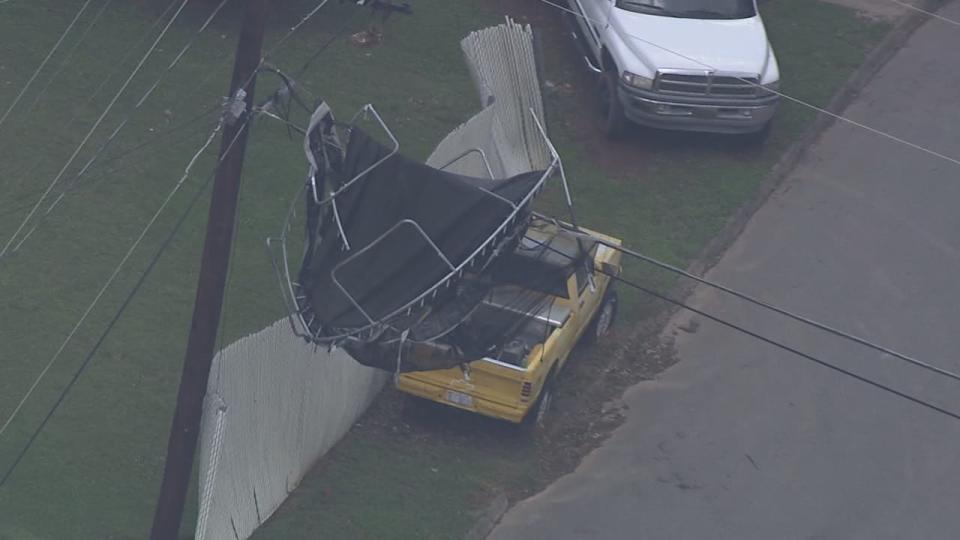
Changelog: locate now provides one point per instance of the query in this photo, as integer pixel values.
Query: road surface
(743, 441)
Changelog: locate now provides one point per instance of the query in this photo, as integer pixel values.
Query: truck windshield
(692, 9)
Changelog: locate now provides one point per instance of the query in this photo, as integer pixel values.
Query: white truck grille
(707, 84)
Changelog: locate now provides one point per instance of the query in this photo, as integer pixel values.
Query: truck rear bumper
(731, 117)
(409, 384)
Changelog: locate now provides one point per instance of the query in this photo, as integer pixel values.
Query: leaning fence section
(275, 404)
(503, 65)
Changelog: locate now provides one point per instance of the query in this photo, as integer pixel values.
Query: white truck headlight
(637, 81)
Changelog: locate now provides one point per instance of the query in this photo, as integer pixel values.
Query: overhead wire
(261, 111)
(248, 118)
(43, 63)
(782, 346)
(777, 92)
(96, 124)
(323, 47)
(118, 66)
(69, 56)
(156, 137)
(758, 336)
(104, 146)
(73, 183)
(146, 95)
(120, 311)
(276, 46)
(74, 187)
(912, 7)
(345, 24)
(113, 276)
(789, 314)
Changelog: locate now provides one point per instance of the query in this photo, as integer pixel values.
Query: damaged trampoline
(398, 251)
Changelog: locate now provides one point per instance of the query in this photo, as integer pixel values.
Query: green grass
(95, 470)
(370, 491)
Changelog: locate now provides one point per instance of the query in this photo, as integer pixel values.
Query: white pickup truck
(695, 65)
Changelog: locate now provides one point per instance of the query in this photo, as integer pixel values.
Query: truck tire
(537, 416)
(604, 318)
(614, 120)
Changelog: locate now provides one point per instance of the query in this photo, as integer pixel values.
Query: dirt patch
(587, 405)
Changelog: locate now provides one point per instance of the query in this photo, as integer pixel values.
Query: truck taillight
(526, 389)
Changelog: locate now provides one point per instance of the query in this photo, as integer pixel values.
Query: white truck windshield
(692, 9)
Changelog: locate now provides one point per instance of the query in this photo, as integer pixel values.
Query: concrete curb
(845, 96)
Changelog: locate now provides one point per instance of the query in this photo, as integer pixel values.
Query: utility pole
(185, 430)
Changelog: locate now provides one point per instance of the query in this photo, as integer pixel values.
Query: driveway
(743, 441)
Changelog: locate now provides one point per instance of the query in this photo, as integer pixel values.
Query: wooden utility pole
(185, 430)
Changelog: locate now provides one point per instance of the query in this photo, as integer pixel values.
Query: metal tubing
(396, 148)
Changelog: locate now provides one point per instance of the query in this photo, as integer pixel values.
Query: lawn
(95, 469)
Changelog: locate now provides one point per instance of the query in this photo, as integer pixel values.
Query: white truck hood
(739, 46)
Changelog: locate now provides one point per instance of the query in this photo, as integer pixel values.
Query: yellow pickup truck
(554, 290)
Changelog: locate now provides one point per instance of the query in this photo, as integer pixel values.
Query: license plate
(459, 398)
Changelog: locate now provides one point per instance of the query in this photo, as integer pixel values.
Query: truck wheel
(538, 414)
(614, 120)
(604, 319)
(544, 403)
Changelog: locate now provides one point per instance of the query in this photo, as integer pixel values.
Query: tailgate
(495, 382)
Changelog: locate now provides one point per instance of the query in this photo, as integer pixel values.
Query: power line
(129, 297)
(784, 312)
(323, 47)
(152, 140)
(96, 124)
(50, 54)
(276, 46)
(288, 83)
(74, 187)
(66, 59)
(106, 332)
(753, 334)
(140, 238)
(105, 145)
(126, 119)
(156, 137)
(104, 80)
(779, 345)
(113, 276)
(930, 13)
(798, 101)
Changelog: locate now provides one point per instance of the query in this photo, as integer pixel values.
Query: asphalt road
(743, 441)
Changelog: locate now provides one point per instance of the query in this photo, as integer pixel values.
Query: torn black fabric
(406, 225)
